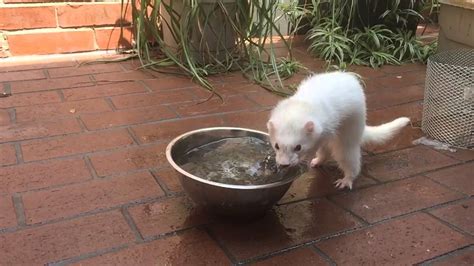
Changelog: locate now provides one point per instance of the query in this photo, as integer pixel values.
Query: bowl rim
(223, 185)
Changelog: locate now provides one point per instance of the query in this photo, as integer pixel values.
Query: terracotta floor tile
(27, 99)
(7, 154)
(22, 75)
(463, 257)
(53, 242)
(412, 110)
(128, 159)
(289, 225)
(214, 106)
(96, 194)
(403, 139)
(171, 129)
(265, 99)
(403, 241)
(170, 83)
(459, 178)
(167, 216)
(399, 81)
(301, 257)
(103, 90)
(189, 248)
(153, 98)
(461, 154)
(396, 198)
(37, 129)
(389, 97)
(83, 70)
(4, 117)
(404, 163)
(7, 212)
(37, 175)
(460, 215)
(50, 84)
(253, 120)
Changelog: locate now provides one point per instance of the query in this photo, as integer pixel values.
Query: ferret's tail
(382, 133)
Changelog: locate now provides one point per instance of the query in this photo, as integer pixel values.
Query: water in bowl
(237, 161)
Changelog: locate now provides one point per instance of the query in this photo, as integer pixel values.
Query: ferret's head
(293, 133)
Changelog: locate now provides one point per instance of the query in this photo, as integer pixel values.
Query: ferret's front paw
(315, 162)
(342, 183)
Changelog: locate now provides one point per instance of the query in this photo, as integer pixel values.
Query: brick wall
(29, 27)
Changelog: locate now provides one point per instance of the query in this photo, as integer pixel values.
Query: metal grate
(448, 113)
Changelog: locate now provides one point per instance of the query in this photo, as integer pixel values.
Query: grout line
(323, 255)
(19, 153)
(445, 186)
(133, 136)
(443, 256)
(12, 113)
(108, 100)
(147, 88)
(46, 73)
(160, 183)
(7, 88)
(362, 220)
(81, 124)
(221, 245)
(452, 226)
(90, 167)
(131, 223)
(19, 209)
(96, 253)
(61, 95)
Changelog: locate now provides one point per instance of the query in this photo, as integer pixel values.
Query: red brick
(60, 110)
(127, 117)
(398, 242)
(54, 242)
(4, 118)
(137, 157)
(458, 178)
(50, 84)
(412, 110)
(214, 106)
(319, 182)
(106, 78)
(7, 154)
(396, 198)
(29, 130)
(170, 178)
(402, 80)
(97, 194)
(464, 257)
(460, 215)
(302, 257)
(389, 97)
(265, 99)
(25, 177)
(94, 14)
(394, 69)
(254, 120)
(103, 90)
(167, 216)
(75, 144)
(172, 129)
(17, 18)
(84, 70)
(404, 163)
(22, 75)
(37, 64)
(290, 225)
(51, 42)
(460, 154)
(170, 83)
(189, 248)
(367, 72)
(155, 98)
(113, 38)
(30, 99)
(7, 212)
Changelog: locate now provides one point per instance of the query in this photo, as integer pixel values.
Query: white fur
(334, 103)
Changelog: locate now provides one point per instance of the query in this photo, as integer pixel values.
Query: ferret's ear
(270, 127)
(309, 127)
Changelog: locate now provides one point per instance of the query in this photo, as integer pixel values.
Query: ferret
(326, 117)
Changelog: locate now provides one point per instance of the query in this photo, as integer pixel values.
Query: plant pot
(210, 38)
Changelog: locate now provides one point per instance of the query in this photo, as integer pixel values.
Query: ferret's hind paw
(343, 183)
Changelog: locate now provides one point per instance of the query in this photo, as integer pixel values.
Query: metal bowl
(227, 199)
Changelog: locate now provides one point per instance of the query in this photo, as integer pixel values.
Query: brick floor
(84, 179)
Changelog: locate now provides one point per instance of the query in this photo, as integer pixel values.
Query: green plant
(341, 36)
(245, 44)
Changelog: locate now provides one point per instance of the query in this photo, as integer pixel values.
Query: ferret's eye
(276, 146)
(298, 148)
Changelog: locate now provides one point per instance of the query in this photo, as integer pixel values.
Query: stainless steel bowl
(233, 200)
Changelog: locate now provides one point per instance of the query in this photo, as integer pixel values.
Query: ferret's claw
(342, 183)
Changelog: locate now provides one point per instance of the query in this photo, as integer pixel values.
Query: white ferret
(326, 117)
